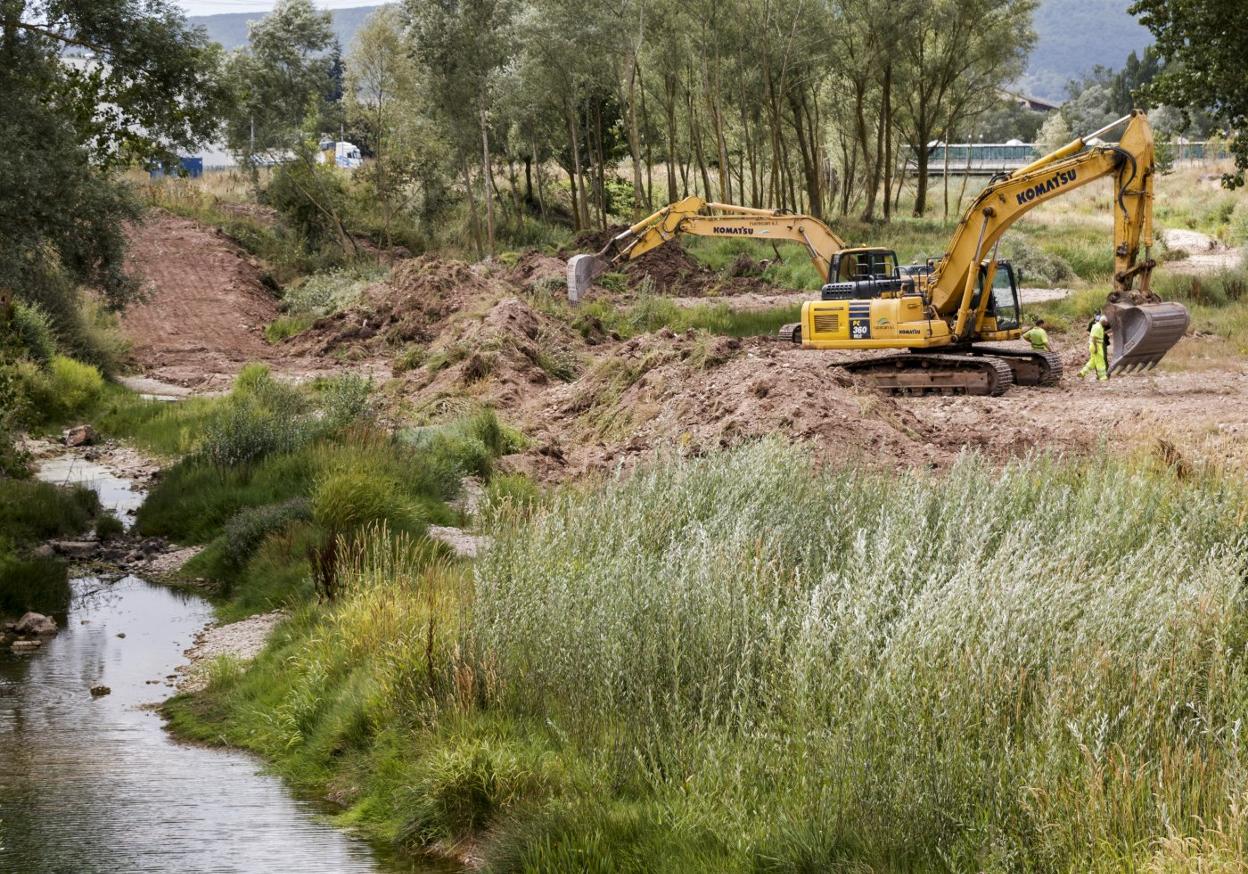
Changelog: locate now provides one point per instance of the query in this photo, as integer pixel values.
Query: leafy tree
(461, 45)
(1007, 119)
(383, 109)
(953, 56)
(141, 84)
(1089, 108)
(286, 71)
(1054, 133)
(1204, 46)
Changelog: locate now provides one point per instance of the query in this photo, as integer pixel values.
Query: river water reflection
(96, 784)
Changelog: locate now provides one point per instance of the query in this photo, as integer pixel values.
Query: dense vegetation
(37, 387)
(271, 478)
(63, 204)
(736, 663)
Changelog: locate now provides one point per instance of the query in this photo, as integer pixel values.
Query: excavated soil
(670, 270)
(590, 402)
(420, 294)
(205, 307)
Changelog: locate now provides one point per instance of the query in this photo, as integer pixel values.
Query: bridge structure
(988, 159)
(975, 159)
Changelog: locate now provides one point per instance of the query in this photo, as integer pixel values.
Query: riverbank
(706, 667)
(79, 723)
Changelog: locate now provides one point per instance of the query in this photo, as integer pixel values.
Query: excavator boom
(1142, 327)
(698, 217)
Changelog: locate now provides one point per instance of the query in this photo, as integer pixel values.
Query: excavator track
(791, 332)
(929, 373)
(1029, 366)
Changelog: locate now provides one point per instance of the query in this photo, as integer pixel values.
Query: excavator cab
(850, 265)
(864, 273)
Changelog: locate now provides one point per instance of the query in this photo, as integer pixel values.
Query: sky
(216, 7)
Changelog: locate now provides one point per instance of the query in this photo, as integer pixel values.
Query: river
(96, 784)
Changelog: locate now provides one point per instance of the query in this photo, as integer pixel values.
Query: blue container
(191, 168)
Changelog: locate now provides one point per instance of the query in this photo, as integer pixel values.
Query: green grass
(30, 512)
(39, 584)
(737, 663)
(652, 314)
(273, 475)
(285, 327)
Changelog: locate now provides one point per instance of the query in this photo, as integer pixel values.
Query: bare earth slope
(205, 308)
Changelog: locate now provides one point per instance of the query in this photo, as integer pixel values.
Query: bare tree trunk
(850, 177)
(634, 138)
(541, 183)
(487, 181)
(645, 123)
(600, 181)
(517, 202)
(887, 117)
(721, 147)
(750, 154)
(580, 213)
(669, 87)
(587, 187)
(922, 132)
(946, 180)
(695, 136)
(474, 220)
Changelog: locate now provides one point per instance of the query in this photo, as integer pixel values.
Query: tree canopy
(1204, 44)
(288, 71)
(89, 86)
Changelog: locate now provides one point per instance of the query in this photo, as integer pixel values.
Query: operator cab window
(866, 265)
(1004, 302)
(848, 270)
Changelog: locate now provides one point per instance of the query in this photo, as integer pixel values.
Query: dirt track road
(205, 307)
(205, 310)
(1202, 413)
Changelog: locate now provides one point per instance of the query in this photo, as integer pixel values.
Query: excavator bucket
(582, 271)
(1140, 336)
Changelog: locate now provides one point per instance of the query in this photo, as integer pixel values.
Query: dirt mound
(694, 392)
(409, 307)
(539, 271)
(205, 306)
(504, 356)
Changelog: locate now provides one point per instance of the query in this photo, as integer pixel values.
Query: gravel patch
(240, 640)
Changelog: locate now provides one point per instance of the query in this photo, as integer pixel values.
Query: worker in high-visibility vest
(1096, 350)
(1038, 337)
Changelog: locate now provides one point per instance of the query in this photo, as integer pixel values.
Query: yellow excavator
(697, 217)
(968, 298)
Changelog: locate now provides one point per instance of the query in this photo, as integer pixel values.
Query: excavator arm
(701, 218)
(1143, 327)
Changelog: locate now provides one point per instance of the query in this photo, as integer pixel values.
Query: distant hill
(1074, 36)
(230, 29)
